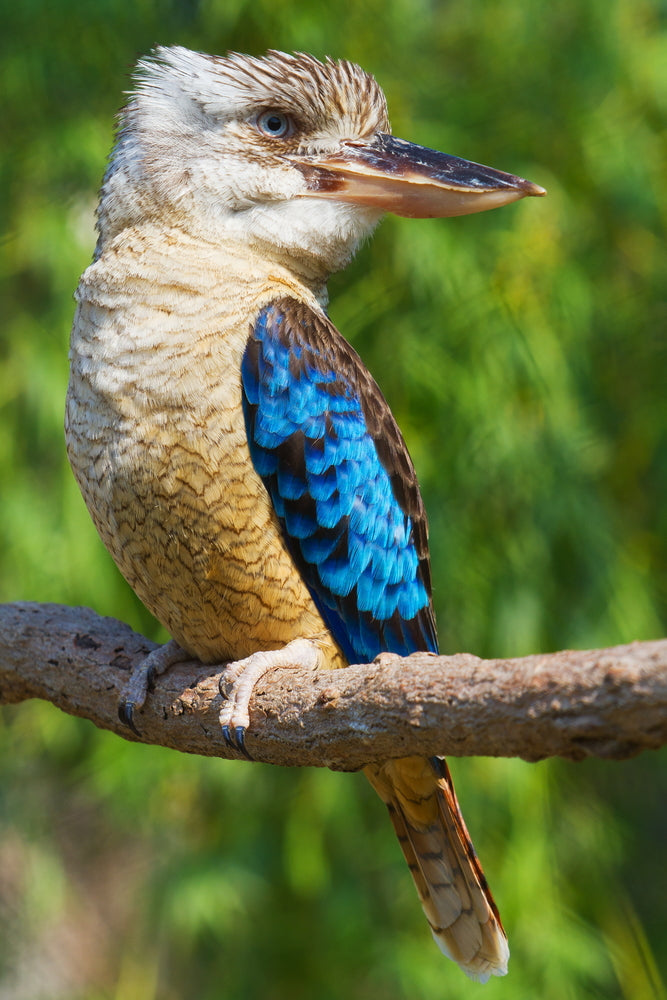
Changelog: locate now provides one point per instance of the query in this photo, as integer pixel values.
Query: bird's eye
(275, 124)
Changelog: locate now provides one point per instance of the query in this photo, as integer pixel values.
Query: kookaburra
(239, 462)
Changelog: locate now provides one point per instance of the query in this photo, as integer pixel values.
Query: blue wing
(338, 472)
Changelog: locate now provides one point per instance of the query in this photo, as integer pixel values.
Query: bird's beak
(392, 175)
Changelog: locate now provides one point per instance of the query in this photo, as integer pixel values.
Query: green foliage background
(523, 352)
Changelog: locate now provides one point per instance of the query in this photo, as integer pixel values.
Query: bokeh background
(523, 352)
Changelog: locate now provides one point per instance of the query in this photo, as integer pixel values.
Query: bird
(238, 460)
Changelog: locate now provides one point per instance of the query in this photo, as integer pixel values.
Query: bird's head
(286, 153)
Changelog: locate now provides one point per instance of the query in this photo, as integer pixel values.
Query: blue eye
(274, 124)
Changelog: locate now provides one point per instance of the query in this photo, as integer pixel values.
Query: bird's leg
(239, 679)
(143, 677)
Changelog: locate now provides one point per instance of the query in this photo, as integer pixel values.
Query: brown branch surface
(609, 703)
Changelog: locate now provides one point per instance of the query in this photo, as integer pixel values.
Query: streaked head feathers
(285, 153)
(334, 95)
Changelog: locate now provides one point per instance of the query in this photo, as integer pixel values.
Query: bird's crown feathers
(319, 93)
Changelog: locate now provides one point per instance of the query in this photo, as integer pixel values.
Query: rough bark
(609, 703)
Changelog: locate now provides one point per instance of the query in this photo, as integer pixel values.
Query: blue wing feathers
(323, 440)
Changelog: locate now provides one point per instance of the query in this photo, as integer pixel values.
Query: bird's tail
(449, 879)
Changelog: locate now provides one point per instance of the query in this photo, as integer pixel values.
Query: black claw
(126, 716)
(236, 740)
(239, 732)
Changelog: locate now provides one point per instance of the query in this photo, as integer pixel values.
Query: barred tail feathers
(456, 900)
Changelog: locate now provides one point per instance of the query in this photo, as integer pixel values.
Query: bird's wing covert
(342, 483)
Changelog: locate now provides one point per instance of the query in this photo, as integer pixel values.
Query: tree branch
(609, 703)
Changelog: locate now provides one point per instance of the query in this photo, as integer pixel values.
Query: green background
(523, 352)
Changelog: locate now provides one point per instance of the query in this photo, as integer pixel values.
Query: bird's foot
(143, 678)
(239, 679)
